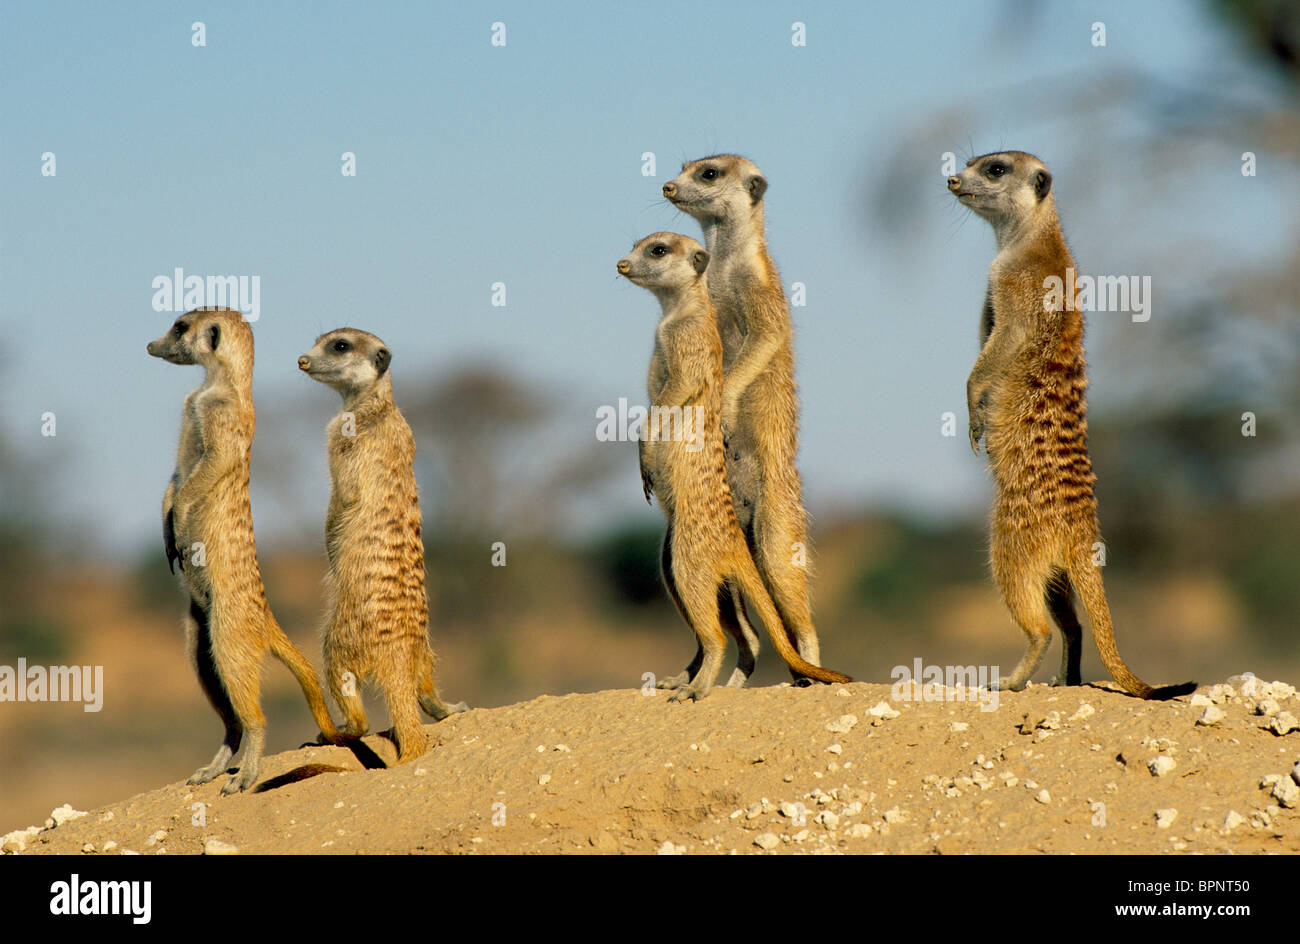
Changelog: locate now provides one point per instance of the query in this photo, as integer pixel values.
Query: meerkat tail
(1087, 582)
(284, 650)
(752, 584)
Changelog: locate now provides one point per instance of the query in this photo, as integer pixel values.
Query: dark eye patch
(341, 346)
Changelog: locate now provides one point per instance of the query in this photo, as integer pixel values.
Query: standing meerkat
(378, 623)
(229, 626)
(705, 558)
(1026, 401)
(760, 404)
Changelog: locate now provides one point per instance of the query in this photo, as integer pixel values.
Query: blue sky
(522, 164)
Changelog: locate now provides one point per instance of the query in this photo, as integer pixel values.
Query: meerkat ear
(700, 259)
(757, 187)
(214, 336)
(383, 357)
(1042, 184)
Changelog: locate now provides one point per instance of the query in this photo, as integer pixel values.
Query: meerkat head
(348, 360)
(1007, 188)
(207, 336)
(722, 187)
(665, 263)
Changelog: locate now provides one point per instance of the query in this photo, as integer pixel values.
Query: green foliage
(627, 562)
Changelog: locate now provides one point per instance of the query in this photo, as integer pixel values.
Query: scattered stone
(157, 837)
(958, 726)
(858, 831)
(1161, 765)
(883, 711)
(792, 810)
(1267, 707)
(669, 849)
(88, 847)
(831, 821)
(17, 840)
(842, 725)
(1211, 716)
(895, 815)
(1233, 820)
(108, 815)
(1083, 712)
(564, 748)
(1201, 701)
(61, 815)
(1284, 723)
(110, 846)
(1165, 818)
(543, 780)
(1042, 796)
(834, 749)
(800, 836)
(215, 847)
(766, 841)
(1286, 792)
(1295, 773)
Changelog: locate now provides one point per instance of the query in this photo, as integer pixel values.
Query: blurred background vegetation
(1203, 519)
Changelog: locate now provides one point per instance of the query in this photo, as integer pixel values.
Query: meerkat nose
(954, 184)
(624, 266)
(670, 190)
(149, 347)
(304, 363)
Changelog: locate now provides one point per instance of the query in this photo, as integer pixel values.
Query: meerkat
(1026, 398)
(378, 623)
(760, 404)
(208, 531)
(705, 559)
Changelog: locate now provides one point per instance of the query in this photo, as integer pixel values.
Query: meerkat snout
(954, 184)
(304, 363)
(624, 267)
(670, 190)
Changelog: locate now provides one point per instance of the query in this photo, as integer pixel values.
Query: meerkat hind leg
(355, 723)
(666, 569)
(241, 682)
(199, 640)
(1028, 604)
(700, 596)
(1060, 601)
(731, 609)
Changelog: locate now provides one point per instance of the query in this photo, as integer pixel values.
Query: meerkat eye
(709, 173)
(341, 346)
(997, 169)
(659, 250)
(180, 328)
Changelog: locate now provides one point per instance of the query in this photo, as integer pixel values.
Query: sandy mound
(826, 769)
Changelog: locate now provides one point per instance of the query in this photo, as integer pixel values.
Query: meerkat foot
(689, 692)
(1008, 685)
(676, 681)
(215, 769)
(241, 781)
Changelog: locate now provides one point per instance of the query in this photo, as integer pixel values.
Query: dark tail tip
(1166, 692)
